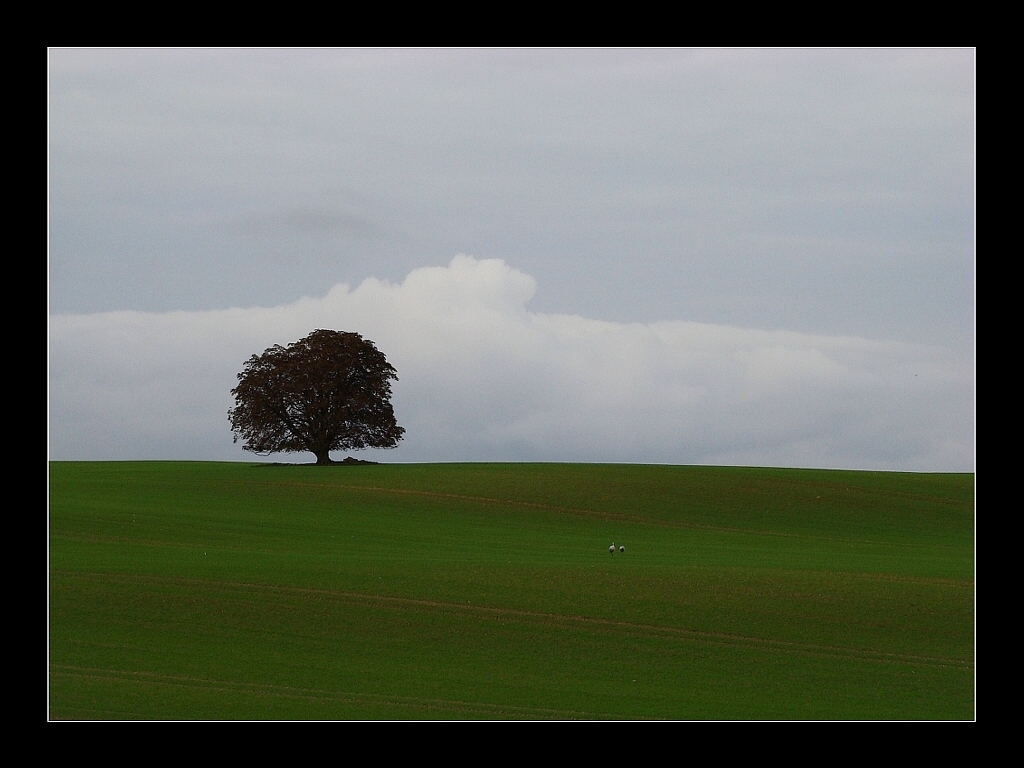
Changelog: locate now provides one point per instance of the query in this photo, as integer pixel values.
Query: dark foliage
(330, 391)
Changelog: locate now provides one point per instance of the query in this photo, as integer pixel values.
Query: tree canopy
(330, 391)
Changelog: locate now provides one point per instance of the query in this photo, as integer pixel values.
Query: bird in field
(612, 548)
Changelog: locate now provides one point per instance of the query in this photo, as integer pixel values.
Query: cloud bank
(484, 379)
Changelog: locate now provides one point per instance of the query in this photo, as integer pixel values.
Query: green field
(226, 591)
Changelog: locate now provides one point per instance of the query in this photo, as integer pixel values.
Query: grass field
(220, 590)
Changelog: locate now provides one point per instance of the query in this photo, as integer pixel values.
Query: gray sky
(724, 256)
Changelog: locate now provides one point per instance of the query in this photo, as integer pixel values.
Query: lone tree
(330, 391)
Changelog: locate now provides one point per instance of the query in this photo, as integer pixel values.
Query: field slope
(224, 591)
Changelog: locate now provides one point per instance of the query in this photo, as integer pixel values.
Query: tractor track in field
(554, 619)
(581, 512)
(96, 538)
(325, 695)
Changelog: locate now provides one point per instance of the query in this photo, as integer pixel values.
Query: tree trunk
(323, 458)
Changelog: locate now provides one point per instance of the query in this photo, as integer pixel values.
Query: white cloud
(482, 379)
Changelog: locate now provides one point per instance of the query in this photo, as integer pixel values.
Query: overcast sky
(685, 256)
